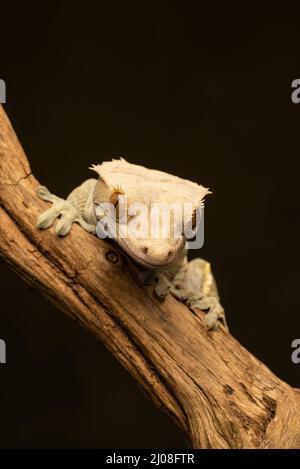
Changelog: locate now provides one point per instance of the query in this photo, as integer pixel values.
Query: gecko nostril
(170, 253)
(145, 249)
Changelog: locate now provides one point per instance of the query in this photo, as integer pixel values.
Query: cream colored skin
(164, 260)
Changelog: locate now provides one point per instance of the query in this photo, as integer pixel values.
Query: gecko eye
(194, 219)
(117, 199)
(192, 226)
(197, 217)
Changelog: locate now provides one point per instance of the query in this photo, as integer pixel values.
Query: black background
(204, 93)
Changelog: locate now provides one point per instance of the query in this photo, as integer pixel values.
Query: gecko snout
(145, 250)
(157, 255)
(153, 253)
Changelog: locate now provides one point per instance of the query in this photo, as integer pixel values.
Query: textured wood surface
(214, 389)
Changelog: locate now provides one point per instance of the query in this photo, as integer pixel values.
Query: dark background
(203, 93)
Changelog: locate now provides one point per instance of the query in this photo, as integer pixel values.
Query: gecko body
(163, 258)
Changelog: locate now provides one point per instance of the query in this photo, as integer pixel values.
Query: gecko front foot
(161, 282)
(162, 287)
(62, 209)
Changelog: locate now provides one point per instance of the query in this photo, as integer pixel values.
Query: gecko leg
(195, 285)
(67, 213)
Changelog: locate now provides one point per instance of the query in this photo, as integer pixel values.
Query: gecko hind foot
(214, 311)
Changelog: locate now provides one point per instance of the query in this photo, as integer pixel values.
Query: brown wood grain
(213, 388)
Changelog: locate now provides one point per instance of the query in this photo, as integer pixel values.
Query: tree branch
(214, 389)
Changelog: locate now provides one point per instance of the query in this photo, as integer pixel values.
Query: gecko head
(142, 210)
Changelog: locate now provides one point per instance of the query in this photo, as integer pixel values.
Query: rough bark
(214, 389)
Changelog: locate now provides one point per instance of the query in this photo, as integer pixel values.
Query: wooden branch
(215, 390)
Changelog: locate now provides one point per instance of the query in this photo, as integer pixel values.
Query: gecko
(162, 259)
